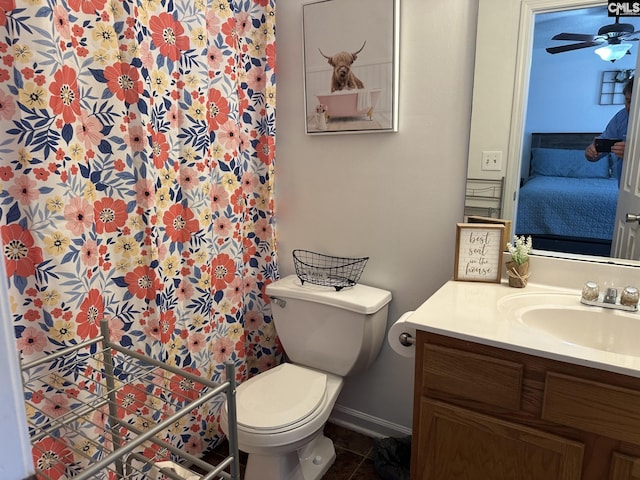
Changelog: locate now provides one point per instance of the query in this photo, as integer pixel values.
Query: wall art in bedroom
(351, 66)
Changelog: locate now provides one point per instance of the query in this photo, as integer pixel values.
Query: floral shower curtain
(136, 173)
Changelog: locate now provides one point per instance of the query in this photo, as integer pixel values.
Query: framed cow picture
(351, 66)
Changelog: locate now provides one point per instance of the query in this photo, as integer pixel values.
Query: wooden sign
(479, 252)
(494, 221)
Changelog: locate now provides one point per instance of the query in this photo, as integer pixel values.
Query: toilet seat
(280, 399)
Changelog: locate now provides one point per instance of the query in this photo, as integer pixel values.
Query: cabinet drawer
(471, 376)
(591, 406)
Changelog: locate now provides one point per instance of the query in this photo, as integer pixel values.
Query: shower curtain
(136, 175)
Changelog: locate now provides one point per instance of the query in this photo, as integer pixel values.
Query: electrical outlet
(491, 160)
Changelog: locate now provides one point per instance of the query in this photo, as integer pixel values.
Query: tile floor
(354, 455)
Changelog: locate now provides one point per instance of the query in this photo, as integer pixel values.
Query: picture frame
(479, 248)
(351, 66)
(496, 221)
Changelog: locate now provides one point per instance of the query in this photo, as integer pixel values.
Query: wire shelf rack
(327, 270)
(123, 404)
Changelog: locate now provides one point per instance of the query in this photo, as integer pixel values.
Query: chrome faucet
(611, 295)
(628, 300)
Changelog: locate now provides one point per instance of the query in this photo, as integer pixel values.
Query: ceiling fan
(614, 34)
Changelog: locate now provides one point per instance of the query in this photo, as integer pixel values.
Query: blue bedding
(567, 207)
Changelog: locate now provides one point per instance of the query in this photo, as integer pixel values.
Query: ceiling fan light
(611, 53)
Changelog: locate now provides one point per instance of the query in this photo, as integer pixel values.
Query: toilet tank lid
(359, 298)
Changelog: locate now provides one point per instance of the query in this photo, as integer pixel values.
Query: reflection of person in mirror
(616, 129)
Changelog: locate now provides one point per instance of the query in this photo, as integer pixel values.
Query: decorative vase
(518, 274)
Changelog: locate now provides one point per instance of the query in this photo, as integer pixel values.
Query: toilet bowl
(281, 413)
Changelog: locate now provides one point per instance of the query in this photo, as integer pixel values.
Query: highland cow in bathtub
(343, 78)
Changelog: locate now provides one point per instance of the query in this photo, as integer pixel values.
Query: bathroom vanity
(499, 397)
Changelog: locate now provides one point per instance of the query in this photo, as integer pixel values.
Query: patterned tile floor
(354, 455)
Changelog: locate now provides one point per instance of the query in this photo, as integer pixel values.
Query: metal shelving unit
(484, 197)
(103, 373)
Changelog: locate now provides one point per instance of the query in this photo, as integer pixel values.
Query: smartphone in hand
(603, 145)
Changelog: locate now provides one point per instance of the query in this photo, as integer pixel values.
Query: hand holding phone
(603, 145)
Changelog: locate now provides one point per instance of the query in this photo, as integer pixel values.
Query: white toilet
(281, 412)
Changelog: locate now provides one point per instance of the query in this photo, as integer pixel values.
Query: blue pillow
(556, 162)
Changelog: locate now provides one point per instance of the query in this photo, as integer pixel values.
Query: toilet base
(309, 462)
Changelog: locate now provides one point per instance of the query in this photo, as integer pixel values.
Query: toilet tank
(340, 332)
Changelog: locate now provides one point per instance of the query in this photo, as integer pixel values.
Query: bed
(567, 203)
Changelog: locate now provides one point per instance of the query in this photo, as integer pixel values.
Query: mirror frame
(501, 94)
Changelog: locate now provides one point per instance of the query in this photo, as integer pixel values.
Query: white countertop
(469, 311)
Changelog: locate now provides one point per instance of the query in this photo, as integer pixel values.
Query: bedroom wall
(395, 197)
(564, 91)
(562, 100)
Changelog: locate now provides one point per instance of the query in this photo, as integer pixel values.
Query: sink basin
(562, 316)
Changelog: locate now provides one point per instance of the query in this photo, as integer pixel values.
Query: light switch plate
(491, 160)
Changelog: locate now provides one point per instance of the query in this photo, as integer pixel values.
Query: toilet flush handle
(278, 301)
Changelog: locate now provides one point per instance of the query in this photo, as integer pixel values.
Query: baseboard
(366, 424)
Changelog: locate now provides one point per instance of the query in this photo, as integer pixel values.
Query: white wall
(498, 24)
(395, 197)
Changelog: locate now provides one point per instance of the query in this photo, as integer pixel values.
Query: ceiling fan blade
(573, 46)
(625, 36)
(574, 37)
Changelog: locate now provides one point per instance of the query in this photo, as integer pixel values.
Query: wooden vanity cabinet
(485, 413)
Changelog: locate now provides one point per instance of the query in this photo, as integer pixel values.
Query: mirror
(505, 69)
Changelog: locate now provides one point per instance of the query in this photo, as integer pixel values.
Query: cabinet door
(458, 444)
(624, 467)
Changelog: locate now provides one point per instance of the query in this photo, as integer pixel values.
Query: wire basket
(319, 269)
